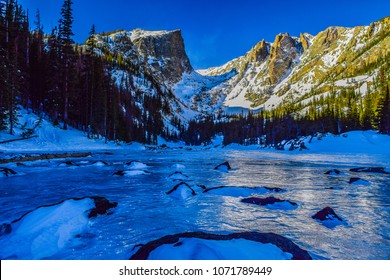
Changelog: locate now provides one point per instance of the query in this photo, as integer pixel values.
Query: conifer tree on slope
(65, 36)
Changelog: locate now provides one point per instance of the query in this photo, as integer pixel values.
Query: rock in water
(333, 172)
(207, 246)
(136, 165)
(5, 229)
(359, 181)
(370, 170)
(223, 167)
(102, 206)
(130, 172)
(182, 190)
(7, 171)
(267, 201)
(326, 214)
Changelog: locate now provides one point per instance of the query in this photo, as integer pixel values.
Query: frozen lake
(145, 212)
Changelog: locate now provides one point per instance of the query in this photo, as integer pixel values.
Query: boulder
(130, 172)
(100, 163)
(267, 201)
(333, 172)
(182, 191)
(134, 164)
(359, 181)
(7, 171)
(68, 163)
(370, 170)
(223, 166)
(238, 243)
(102, 206)
(326, 214)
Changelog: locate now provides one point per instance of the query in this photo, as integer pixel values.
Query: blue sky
(214, 31)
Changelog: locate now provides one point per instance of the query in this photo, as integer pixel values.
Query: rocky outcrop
(165, 51)
(331, 35)
(259, 52)
(281, 242)
(326, 214)
(283, 55)
(305, 41)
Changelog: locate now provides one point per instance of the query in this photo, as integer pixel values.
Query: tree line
(337, 112)
(71, 84)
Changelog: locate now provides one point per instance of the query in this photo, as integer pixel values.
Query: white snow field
(145, 211)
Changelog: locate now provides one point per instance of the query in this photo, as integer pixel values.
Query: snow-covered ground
(52, 138)
(146, 210)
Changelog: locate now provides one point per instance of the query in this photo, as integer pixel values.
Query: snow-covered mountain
(295, 69)
(289, 70)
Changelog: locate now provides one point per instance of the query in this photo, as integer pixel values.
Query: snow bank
(46, 230)
(370, 142)
(53, 138)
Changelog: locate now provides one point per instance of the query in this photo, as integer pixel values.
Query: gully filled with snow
(152, 203)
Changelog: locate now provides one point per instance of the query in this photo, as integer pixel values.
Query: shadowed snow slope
(52, 138)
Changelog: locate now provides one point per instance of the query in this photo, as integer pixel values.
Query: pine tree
(65, 34)
(384, 113)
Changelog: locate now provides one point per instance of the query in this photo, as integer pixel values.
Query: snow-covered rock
(271, 202)
(328, 217)
(224, 167)
(136, 165)
(43, 232)
(236, 246)
(181, 191)
(359, 181)
(7, 172)
(129, 173)
(333, 172)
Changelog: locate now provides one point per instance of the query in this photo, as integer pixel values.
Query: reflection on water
(145, 212)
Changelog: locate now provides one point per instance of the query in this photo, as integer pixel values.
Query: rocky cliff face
(164, 50)
(285, 53)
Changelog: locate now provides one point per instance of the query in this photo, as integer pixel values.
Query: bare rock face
(165, 51)
(305, 42)
(259, 52)
(284, 52)
(332, 35)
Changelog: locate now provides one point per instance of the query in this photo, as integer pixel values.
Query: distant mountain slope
(289, 70)
(293, 69)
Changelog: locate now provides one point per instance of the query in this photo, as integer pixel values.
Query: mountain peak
(138, 33)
